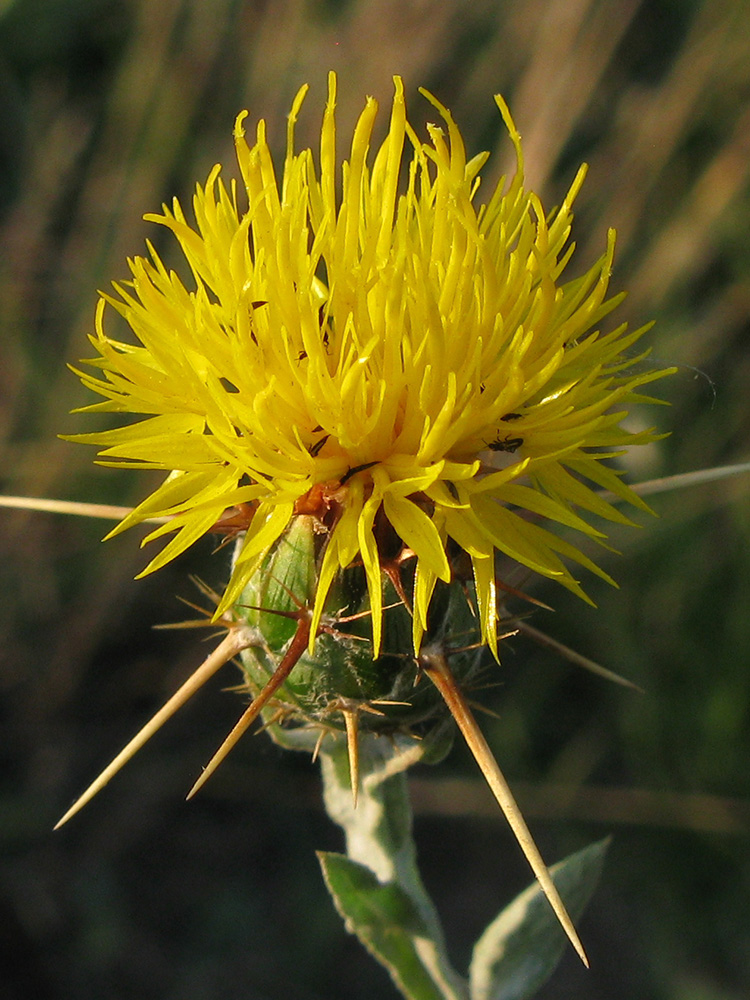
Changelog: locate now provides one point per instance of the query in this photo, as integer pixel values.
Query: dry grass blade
(680, 481)
(573, 657)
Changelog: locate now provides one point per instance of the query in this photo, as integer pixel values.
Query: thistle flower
(387, 384)
(404, 362)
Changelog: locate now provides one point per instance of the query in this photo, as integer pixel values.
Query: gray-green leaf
(521, 948)
(388, 924)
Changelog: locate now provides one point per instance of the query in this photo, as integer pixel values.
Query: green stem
(379, 838)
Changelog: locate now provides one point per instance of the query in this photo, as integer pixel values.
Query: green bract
(386, 692)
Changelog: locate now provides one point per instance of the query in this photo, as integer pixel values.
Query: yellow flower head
(376, 347)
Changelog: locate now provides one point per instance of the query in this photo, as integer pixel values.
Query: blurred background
(109, 107)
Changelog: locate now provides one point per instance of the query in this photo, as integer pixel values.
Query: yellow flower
(377, 347)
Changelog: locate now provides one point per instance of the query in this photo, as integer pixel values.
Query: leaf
(388, 924)
(521, 948)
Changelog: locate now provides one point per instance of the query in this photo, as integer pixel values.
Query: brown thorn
(479, 645)
(337, 619)
(289, 661)
(194, 606)
(292, 596)
(207, 620)
(277, 716)
(222, 624)
(351, 718)
(235, 641)
(191, 623)
(506, 588)
(276, 611)
(205, 589)
(393, 571)
(368, 706)
(318, 743)
(294, 615)
(228, 539)
(344, 635)
(435, 665)
(478, 707)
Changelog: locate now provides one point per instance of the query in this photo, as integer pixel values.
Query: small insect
(506, 444)
(353, 472)
(512, 416)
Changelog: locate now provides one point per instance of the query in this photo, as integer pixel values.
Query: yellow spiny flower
(397, 354)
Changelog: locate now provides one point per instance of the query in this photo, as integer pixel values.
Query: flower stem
(405, 937)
